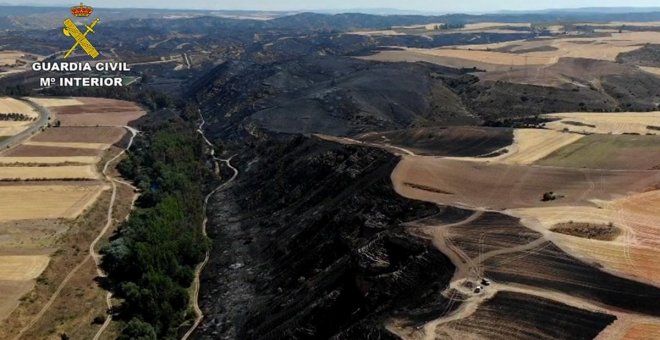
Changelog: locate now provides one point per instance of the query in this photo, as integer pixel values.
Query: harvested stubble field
(566, 72)
(26, 150)
(9, 57)
(489, 57)
(608, 152)
(55, 102)
(530, 145)
(93, 112)
(634, 254)
(30, 161)
(99, 119)
(17, 273)
(605, 122)
(599, 47)
(48, 172)
(69, 145)
(19, 202)
(11, 290)
(11, 105)
(553, 62)
(30, 236)
(502, 186)
(22, 267)
(42, 196)
(643, 331)
(92, 134)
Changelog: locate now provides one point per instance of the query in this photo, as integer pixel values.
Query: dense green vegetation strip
(151, 261)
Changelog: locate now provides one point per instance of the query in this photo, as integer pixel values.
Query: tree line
(16, 117)
(151, 260)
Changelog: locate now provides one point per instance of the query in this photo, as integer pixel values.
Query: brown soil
(106, 135)
(99, 119)
(72, 251)
(502, 186)
(77, 321)
(49, 151)
(74, 319)
(603, 232)
(96, 108)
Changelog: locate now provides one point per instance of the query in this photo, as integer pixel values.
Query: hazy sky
(419, 5)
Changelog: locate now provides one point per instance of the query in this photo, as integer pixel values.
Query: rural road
(200, 267)
(92, 253)
(44, 114)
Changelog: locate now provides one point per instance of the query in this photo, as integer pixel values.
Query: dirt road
(196, 283)
(92, 252)
(92, 247)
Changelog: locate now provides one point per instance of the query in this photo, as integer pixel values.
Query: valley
(272, 175)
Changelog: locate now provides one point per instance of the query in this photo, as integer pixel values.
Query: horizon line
(347, 10)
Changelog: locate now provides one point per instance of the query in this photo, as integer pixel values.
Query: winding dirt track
(92, 247)
(196, 283)
(92, 252)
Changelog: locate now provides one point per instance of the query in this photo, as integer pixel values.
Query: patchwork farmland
(50, 183)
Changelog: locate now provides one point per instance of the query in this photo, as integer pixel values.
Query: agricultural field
(13, 127)
(9, 57)
(502, 186)
(550, 61)
(9, 64)
(630, 152)
(89, 134)
(55, 102)
(28, 150)
(19, 201)
(530, 145)
(97, 112)
(606, 122)
(40, 173)
(436, 29)
(48, 181)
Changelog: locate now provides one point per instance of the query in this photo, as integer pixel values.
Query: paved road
(44, 114)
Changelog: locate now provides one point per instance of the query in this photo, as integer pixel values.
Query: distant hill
(28, 17)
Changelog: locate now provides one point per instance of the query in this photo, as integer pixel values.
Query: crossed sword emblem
(71, 30)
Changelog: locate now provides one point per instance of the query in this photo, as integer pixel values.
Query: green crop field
(608, 152)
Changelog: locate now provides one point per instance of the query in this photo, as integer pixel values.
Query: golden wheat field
(605, 123)
(18, 202)
(48, 172)
(22, 267)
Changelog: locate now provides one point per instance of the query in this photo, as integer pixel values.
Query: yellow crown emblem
(81, 11)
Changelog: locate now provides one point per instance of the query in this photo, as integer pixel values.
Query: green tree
(138, 330)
